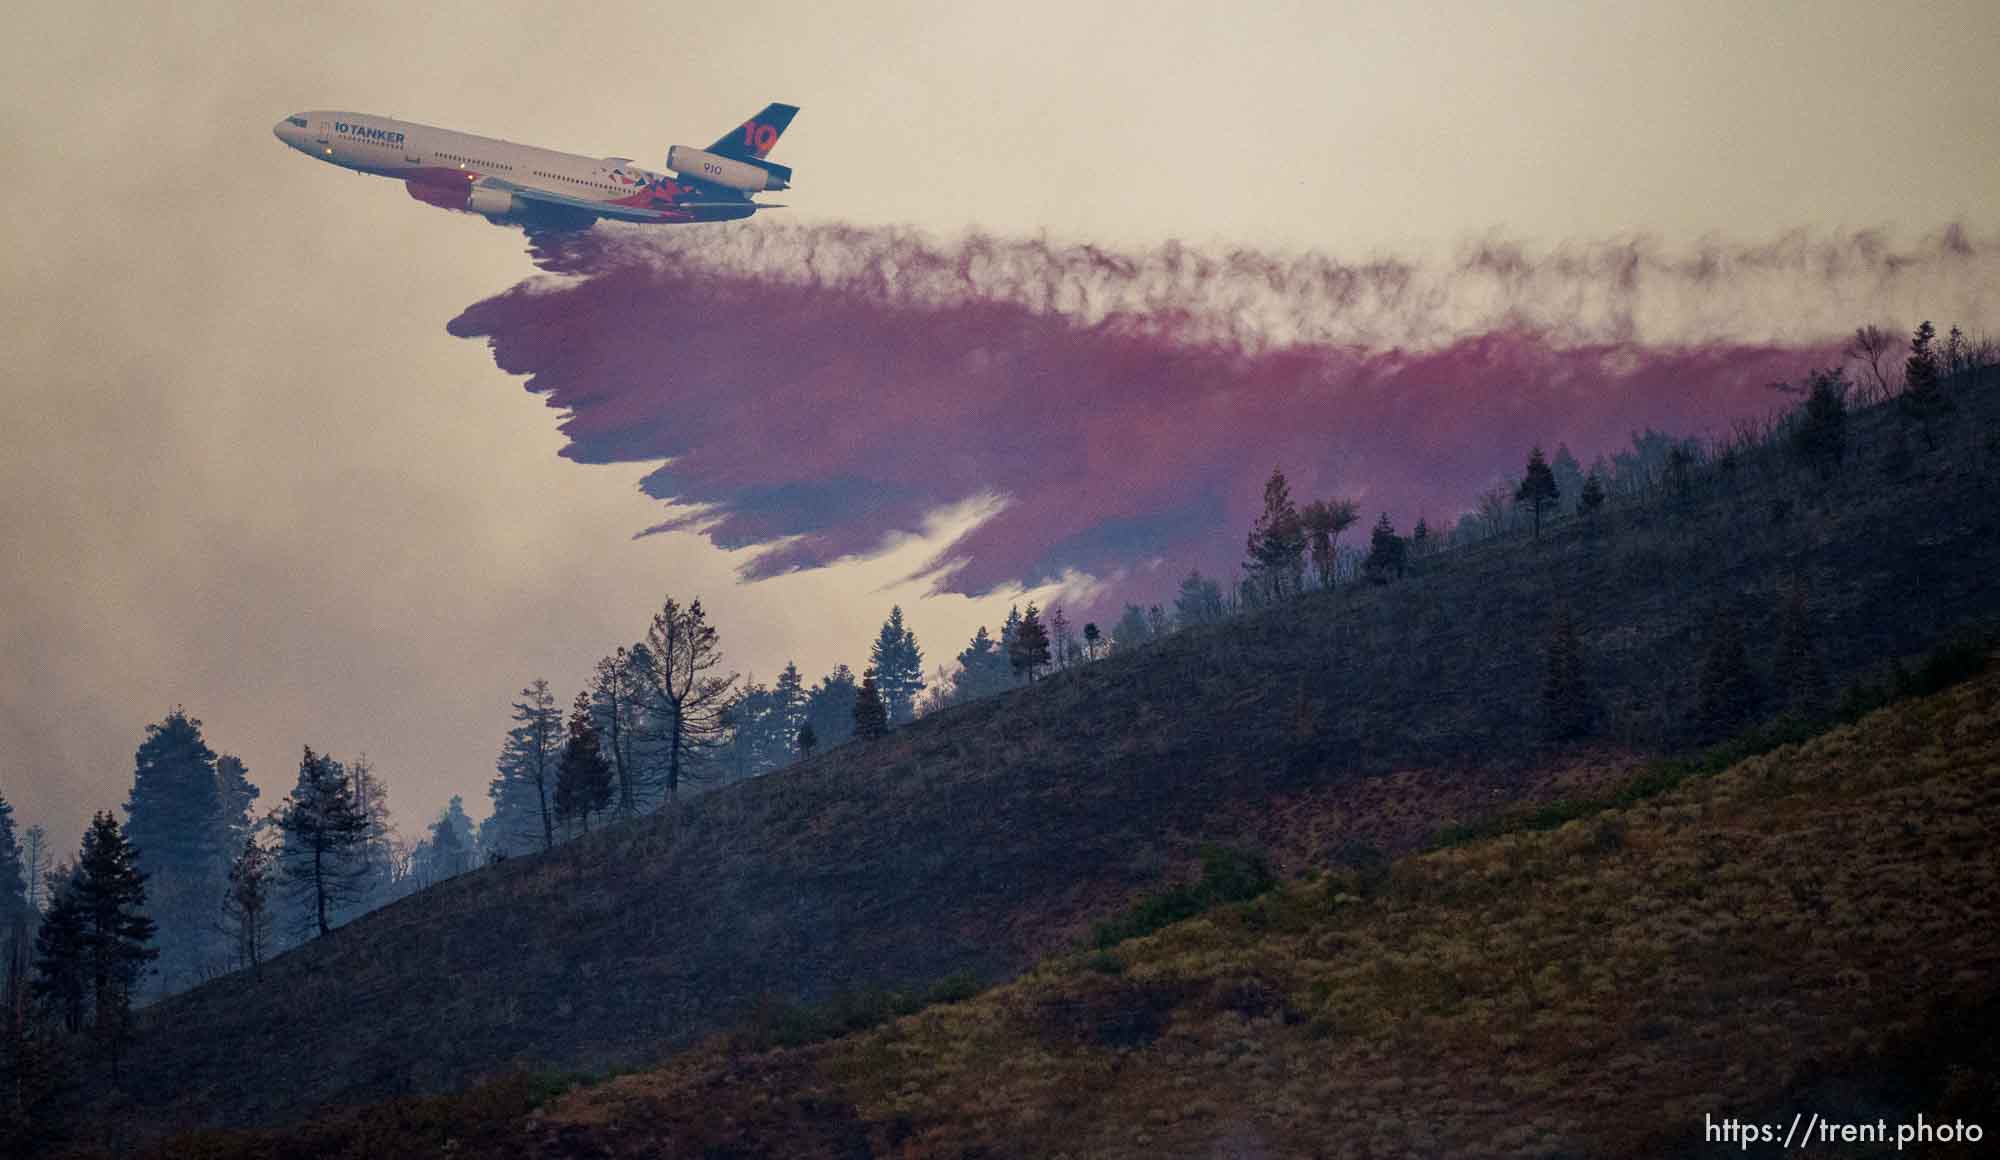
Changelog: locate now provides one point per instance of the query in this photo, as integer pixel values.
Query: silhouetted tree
(1030, 651)
(689, 700)
(35, 861)
(788, 704)
(177, 819)
(899, 667)
(1062, 638)
(583, 779)
(1923, 399)
(871, 717)
(62, 942)
(1568, 474)
(1819, 436)
(1592, 496)
(1200, 600)
(808, 740)
(109, 892)
(524, 783)
(239, 796)
(322, 828)
(1132, 629)
(830, 707)
(375, 861)
(1386, 552)
(983, 669)
(1801, 682)
(1873, 347)
(35, 1074)
(1322, 521)
(1680, 467)
(14, 905)
(450, 849)
(1538, 488)
(247, 904)
(1565, 693)
(1091, 638)
(1421, 541)
(618, 700)
(1727, 697)
(1274, 553)
(1957, 353)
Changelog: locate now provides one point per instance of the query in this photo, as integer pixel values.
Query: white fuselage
(467, 171)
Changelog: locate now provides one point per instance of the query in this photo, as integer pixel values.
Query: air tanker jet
(543, 189)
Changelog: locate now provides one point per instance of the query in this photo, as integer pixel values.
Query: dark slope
(1806, 931)
(977, 838)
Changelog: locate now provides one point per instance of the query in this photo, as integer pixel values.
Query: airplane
(542, 189)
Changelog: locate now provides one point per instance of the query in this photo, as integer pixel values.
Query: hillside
(985, 837)
(1810, 930)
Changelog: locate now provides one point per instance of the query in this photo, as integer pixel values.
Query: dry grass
(1590, 990)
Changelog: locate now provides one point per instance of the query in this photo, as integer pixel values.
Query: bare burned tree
(1874, 348)
(684, 652)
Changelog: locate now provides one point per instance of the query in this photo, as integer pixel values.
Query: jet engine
(493, 203)
(750, 177)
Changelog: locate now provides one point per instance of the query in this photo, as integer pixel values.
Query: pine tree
(1274, 552)
(61, 946)
(1567, 471)
(323, 828)
(1727, 696)
(830, 707)
(1923, 399)
(808, 740)
(177, 818)
(1031, 645)
(1819, 435)
(899, 667)
(871, 717)
(1157, 622)
(238, 797)
(789, 696)
(13, 879)
(1801, 682)
(583, 781)
(450, 849)
(1420, 539)
(1091, 639)
(110, 892)
(684, 652)
(1386, 552)
(1565, 694)
(1200, 600)
(1592, 496)
(1132, 630)
(618, 699)
(375, 871)
(983, 669)
(524, 782)
(1538, 488)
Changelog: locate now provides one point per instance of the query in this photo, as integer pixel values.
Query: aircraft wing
(602, 209)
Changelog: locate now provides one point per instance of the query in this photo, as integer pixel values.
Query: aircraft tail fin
(754, 138)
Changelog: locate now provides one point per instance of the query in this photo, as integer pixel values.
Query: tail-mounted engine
(728, 172)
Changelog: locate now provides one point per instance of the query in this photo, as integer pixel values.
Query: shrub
(1227, 875)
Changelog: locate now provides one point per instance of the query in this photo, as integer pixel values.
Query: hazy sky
(247, 471)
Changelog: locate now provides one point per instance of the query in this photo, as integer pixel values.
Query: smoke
(815, 390)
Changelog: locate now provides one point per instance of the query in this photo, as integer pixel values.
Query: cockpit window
(299, 121)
